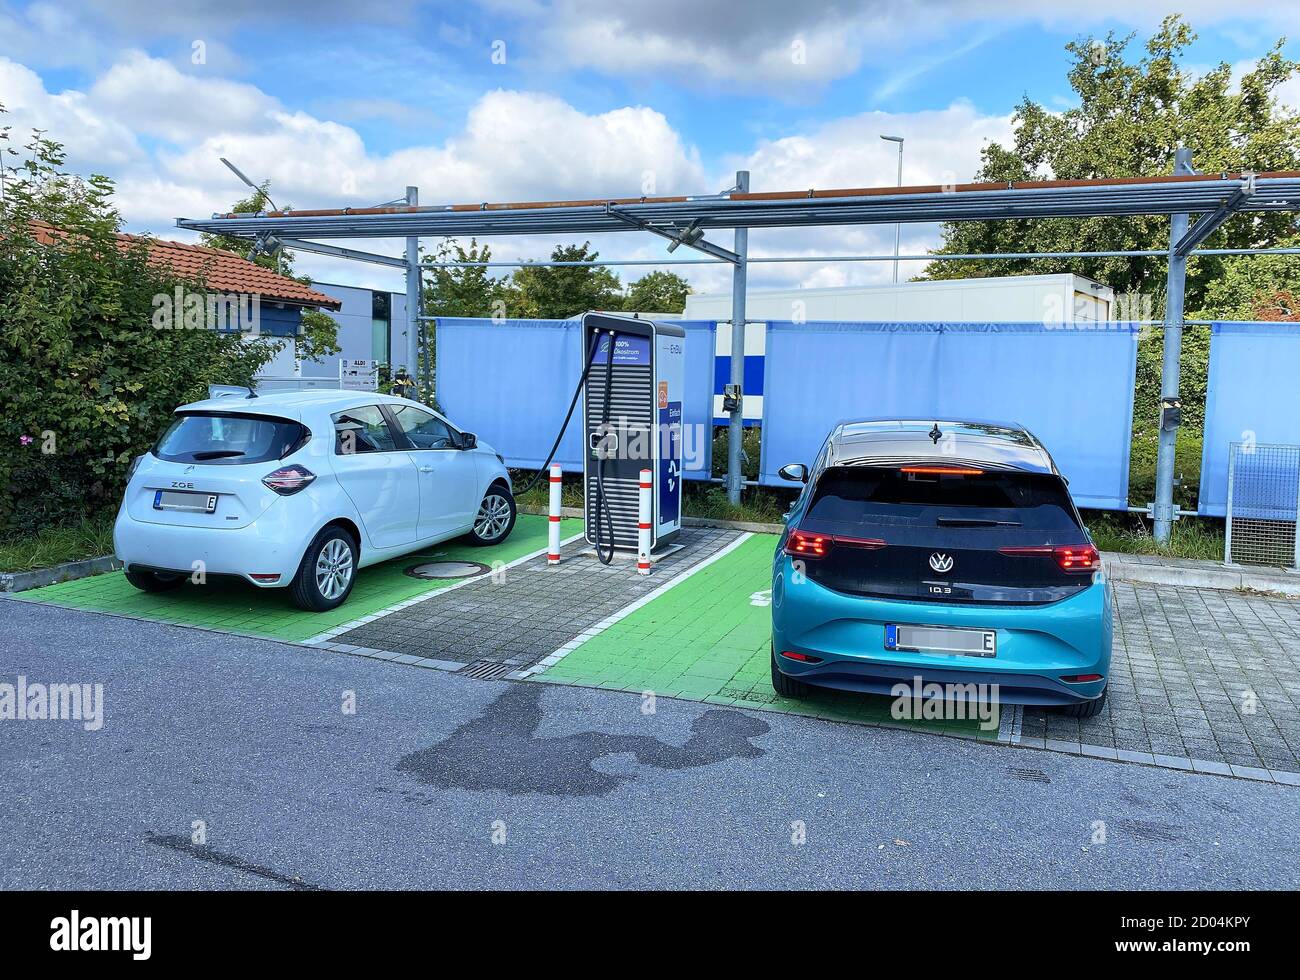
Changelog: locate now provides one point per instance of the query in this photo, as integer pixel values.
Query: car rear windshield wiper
(216, 454)
(973, 522)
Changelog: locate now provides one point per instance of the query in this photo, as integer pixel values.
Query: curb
(1129, 568)
(38, 577)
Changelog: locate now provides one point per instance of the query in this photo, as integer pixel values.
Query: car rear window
(226, 437)
(890, 495)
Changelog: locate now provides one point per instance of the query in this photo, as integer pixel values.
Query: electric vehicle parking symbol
(940, 562)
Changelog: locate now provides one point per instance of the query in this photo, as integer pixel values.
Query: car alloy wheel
(333, 568)
(493, 517)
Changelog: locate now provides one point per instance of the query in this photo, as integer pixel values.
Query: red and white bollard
(643, 527)
(557, 482)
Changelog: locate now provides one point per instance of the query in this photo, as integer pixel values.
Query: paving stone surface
(1197, 674)
(532, 609)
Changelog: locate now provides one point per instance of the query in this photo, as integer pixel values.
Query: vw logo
(940, 562)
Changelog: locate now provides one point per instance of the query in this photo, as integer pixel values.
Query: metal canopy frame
(683, 220)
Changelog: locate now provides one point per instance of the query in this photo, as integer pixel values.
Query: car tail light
(1081, 678)
(130, 470)
(804, 544)
(1069, 558)
(265, 577)
(288, 480)
(943, 470)
(803, 658)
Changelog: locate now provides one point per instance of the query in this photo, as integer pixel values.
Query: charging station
(634, 375)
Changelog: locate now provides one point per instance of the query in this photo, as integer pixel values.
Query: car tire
(785, 686)
(152, 581)
(327, 571)
(1085, 709)
(495, 518)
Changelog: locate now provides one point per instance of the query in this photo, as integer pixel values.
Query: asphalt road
(438, 781)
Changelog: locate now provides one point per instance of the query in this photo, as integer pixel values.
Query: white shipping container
(1060, 298)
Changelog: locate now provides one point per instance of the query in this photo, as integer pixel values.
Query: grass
(1191, 537)
(704, 500)
(56, 545)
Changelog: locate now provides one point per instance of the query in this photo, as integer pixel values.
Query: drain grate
(1029, 775)
(1153, 830)
(486, 670)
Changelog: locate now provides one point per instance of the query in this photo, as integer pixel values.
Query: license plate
(942, 639)
(194, 503)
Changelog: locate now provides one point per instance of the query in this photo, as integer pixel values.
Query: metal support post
(1170, 403)
(736, 424)
(411, 355)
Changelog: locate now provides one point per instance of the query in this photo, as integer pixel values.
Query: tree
(557, 292)
(87, 380)
(657, 292)
(464, 291)
(1130, 119)
(319, 337)
(1254, 287)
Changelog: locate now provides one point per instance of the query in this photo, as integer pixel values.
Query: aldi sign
(357, 375)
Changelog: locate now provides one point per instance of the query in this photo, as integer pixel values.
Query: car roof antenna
(935, 434)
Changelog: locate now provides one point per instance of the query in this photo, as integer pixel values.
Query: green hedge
(87, 381)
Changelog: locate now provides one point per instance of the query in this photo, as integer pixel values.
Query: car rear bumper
(1037, 646)
(271, 545)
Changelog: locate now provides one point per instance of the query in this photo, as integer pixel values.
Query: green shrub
(86, 381)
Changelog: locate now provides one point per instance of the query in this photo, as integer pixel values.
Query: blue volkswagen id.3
(948, 552)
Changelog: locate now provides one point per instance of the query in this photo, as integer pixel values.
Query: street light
(270, 244)
(898, 228)
(260, 190)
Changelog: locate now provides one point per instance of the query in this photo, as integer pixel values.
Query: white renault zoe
(300, 489)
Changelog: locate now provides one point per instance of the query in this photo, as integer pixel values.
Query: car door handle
(426, 469)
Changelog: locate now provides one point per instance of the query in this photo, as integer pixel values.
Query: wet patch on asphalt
(500, 751)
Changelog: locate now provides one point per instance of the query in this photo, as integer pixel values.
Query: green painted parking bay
(708, 639)
(239, 607)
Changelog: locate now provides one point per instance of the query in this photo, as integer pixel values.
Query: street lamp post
(898, 228)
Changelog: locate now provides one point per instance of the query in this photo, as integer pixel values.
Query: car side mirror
(795, 472)
(468, 440)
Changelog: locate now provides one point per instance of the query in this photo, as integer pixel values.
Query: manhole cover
(447, 569)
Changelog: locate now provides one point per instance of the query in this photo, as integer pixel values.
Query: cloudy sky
(345, 103)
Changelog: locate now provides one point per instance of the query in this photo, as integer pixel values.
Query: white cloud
(153, 97)
(758, 42)
(942, 146)
(513, 146)
(95, 142)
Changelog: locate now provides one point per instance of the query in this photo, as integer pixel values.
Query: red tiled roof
(220, 270)
(229, 273)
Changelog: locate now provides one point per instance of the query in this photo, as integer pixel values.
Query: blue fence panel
(1250, 397)
(1071, 385)
(697, 401)
(510, 383)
